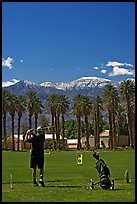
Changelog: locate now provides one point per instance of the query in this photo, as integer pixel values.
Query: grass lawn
(65, 180)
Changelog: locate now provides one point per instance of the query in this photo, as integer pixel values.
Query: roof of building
(104, 133)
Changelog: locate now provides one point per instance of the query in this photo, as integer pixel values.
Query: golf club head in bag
(95, 154)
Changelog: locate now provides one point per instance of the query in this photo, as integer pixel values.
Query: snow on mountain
(29, 83)
(9, 83)
(14, 81)
(57, 85)
(78, 84)
(82, 84)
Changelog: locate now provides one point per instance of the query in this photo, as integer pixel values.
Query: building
(104, 139)
(9, 142)
(72, 143)
(122, 140)
(91, 141)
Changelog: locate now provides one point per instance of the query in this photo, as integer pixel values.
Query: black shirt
(37, 149)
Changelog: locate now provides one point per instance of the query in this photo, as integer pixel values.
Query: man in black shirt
(37, 153)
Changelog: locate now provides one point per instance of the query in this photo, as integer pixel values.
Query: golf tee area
(67, 179)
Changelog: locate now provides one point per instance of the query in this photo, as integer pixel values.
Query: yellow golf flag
(80, 158)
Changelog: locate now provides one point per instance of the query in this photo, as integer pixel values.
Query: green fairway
(65, 180)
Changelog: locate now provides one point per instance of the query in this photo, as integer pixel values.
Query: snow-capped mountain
(89, 86)
(78, 84)
(9, 83)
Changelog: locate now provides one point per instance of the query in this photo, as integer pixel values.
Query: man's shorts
(37, 161)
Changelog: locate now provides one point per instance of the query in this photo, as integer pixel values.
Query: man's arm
(27, 134)
(26, 137)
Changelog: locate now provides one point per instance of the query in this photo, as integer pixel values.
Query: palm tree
(5, 106)
(63, 106)
(57, 120)
(43, 121)
(111, 98)
(86, 107)
(120, 115)
(96, 106)
(127, 90)
(51, 102)
(12, 110)
(37, 109)
(24, 128)
(31, 100)
(20, 108)
(77, 112)
(132, 108)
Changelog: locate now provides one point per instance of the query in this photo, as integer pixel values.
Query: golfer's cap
(39, 129)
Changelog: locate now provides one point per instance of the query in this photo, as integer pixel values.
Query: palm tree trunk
(113, 130)
(24, 143)
(129, 121)
(110, 131)
(30, 116)
(56, 127)
(119, 127)
(13, 143)
(63, 131)
(95, 130)
(133, 128)
(18, 132)
(5, 132)
(78, 129)
(58, 131)
(98, 136)
(87, 132)
(36, 120)
(53, 132)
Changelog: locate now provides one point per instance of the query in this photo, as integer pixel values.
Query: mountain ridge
(89, 86)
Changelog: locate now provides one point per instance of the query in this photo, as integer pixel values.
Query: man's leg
(41, 177)
(41, 174)
(33, 166)
(34, 177)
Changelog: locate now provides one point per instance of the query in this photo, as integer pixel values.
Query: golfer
(37, 153)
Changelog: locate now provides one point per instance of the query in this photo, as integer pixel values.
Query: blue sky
(64, 41)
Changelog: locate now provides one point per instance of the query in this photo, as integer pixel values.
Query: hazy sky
(63, 41)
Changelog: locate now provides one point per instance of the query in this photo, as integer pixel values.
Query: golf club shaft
(43, 128)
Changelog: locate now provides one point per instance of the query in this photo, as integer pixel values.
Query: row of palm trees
(81, 107)
(19, 104)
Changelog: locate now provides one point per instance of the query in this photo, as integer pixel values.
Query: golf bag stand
(104, 173)
(92, 184)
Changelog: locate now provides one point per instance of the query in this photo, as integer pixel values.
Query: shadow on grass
(63, 186)
(17, 182)
(31, 182)
(50, 181)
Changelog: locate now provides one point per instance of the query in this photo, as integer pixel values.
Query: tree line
(119, 106)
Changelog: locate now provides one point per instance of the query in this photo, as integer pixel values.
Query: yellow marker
(80, 158)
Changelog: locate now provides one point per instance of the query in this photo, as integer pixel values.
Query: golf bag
(104, 173)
